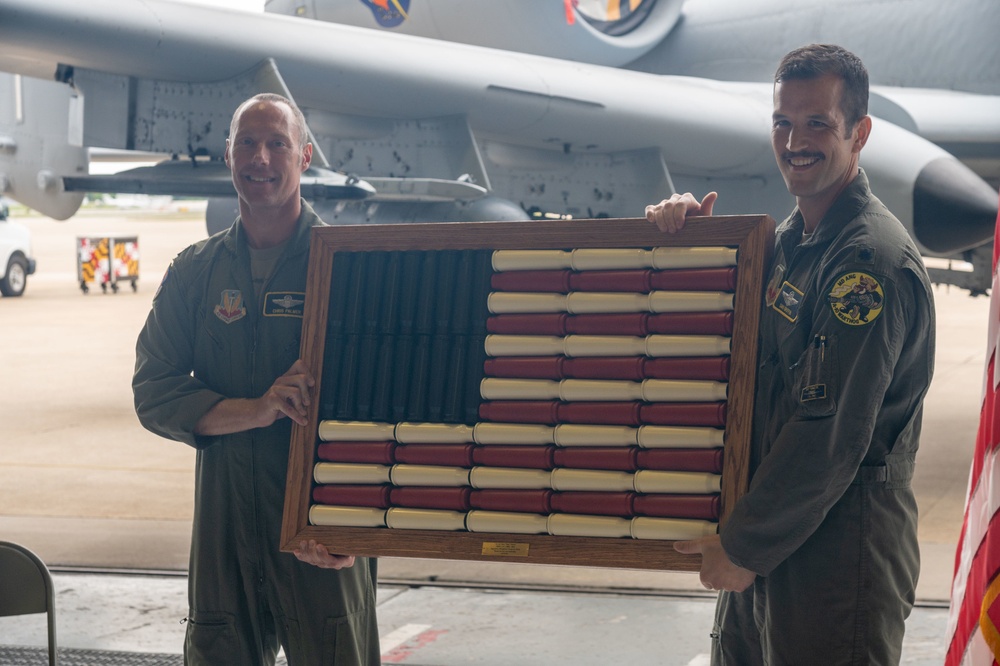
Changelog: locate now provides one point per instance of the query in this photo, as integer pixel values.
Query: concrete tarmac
(137, 620)
(84, 485)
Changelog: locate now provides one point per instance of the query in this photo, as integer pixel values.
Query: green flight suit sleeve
(169, 400)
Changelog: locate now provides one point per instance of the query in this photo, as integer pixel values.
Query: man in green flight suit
(217, 368)
(818, 561)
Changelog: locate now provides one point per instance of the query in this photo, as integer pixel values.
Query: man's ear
(862, 130)
(307, 156)
(226, 156)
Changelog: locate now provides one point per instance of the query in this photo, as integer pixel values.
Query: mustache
(801, 154)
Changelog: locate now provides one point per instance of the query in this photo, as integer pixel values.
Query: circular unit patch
(856, 298)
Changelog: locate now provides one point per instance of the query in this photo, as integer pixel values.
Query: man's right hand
(669, 215)
(318, 556)
(289, 397)
(717, 571)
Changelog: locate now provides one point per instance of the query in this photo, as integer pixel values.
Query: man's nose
(796, 140)
(261, 156)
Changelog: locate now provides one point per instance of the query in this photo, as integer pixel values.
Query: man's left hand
(317, 555)
(717, 571)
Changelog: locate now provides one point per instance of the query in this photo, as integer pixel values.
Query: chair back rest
(25, 584)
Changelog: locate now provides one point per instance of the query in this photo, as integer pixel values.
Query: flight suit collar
(235, 237)
(846, 207)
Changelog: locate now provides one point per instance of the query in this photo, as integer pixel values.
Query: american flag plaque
(559, 392)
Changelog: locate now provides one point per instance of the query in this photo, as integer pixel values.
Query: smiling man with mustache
(818, 562)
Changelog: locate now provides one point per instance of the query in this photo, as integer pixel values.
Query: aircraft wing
(542, 136)
(112, 47)
(593, 31)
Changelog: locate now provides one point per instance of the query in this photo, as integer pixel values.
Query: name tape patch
(814, 392)
(789, 301)
(284, 303)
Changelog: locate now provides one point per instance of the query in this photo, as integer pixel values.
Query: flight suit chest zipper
(258, 390)
(259, 536)
(794, 257)
(792, 254)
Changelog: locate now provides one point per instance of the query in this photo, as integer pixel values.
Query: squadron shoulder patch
(284, 303)
(856, 298)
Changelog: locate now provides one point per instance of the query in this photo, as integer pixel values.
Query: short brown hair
(299, 119)
(815, 60)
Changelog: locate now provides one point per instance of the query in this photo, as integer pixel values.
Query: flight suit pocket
(818, 384)
(212, 355)
(210, 639)
(346, 640)
(735, 635)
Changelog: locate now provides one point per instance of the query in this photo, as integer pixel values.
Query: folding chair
(26, 588)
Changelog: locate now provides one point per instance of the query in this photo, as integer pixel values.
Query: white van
(16, 262)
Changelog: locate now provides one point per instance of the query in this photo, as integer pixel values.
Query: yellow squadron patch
(856, 298)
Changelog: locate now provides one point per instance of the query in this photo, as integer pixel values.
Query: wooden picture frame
(752, 235)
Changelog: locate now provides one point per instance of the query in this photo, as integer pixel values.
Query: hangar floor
(136, 620)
